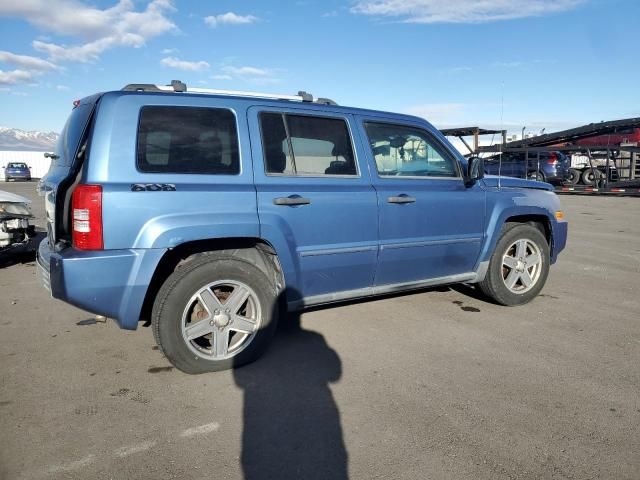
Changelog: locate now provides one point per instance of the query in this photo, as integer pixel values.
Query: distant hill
(18, 140)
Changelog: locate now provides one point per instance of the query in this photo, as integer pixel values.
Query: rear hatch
(57, 185)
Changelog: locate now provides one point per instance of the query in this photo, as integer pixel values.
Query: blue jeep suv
(208, 213)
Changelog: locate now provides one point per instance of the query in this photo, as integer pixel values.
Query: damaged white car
(15, 212)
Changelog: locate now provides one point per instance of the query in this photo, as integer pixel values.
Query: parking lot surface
(438, 384)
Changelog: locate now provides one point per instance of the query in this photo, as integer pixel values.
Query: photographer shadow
(291, 427)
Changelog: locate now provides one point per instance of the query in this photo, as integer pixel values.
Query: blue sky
(556, 63)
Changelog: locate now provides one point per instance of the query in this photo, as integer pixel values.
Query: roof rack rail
(179, 87)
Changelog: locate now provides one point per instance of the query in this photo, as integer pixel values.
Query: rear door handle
(403, 198)
(291, 201)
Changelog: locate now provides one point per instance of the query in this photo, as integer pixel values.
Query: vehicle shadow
(291, 427)
(23, 254)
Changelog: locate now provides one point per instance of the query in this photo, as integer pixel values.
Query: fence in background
(39, 165)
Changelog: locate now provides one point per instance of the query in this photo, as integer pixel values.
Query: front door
(315, 200)
(431, 225)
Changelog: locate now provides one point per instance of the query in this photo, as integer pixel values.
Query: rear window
(17, 165)
(188, 140)
(71, 135)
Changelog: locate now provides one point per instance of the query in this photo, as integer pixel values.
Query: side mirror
(475, 170)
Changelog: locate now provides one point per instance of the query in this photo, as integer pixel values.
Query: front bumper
(112, 283)
(560, 233)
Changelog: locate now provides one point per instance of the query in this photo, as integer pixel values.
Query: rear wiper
(52, 156)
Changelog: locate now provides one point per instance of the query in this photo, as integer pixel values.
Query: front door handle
(403, 198)
(291, 201)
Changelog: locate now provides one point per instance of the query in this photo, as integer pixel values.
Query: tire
(195, 326)
(538, 176)
(500, 274)
(591, 175)
(574, 176)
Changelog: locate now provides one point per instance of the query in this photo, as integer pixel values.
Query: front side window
(187, 140)
(400, 150)
(306, 145)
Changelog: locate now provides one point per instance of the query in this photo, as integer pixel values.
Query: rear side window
(306, 145)
(188, 140)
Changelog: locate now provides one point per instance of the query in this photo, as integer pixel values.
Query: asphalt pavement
(438, 384)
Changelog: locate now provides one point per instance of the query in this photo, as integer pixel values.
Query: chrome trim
(333, 251)
(379, 290)
(427, 243)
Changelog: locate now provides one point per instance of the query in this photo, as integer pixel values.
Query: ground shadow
(291, 422)
(22, 254)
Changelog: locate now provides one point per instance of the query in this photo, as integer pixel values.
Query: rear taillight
(553, 159)
(86, 206)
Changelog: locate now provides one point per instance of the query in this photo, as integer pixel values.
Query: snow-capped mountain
(16, 139)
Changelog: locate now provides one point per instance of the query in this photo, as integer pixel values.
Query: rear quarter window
(187, 140)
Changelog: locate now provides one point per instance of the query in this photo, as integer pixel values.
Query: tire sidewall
(499, 290)
(180, 288)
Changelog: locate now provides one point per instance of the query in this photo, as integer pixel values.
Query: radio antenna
(501, 128)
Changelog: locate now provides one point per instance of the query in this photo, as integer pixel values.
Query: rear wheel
(519, 266)
(591, 175)
(214, 313)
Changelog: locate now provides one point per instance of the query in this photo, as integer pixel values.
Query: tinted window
(306, 145)
(188, 140)
(17, 165)
(406, 151)
(69, 139)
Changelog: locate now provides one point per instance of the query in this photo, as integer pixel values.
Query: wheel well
(254, 250)
(538, 221)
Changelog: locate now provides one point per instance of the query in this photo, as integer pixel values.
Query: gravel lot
(438, 384)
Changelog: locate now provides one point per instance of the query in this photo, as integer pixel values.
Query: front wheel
(574, 176)
(214, 313)
(519, 266)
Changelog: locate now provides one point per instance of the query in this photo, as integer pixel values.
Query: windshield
(71, 134)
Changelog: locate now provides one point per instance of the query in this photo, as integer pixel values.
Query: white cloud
(100, 30)
(229, 18)
(222, 77)
(184, 64)
(26, 61)
(246, 71)
(169, 51)
(15, 77)
(461, 11)
(62, 88)
(249, 74)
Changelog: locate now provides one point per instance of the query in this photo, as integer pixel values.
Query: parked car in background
(550, 167)
(15, 212)
(17, 171)
(209, 212)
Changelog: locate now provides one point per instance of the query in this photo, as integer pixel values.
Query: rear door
(430, 223)
(65, 163)
(315, 199)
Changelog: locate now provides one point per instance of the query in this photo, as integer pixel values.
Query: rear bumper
(112, 283)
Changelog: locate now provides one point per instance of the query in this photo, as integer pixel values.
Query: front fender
(502, 206)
